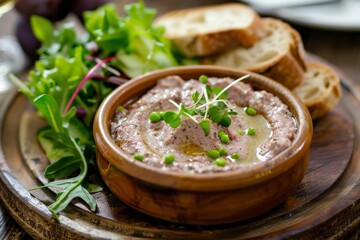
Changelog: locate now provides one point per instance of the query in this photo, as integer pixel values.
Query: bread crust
(287, 67)
(204, 44)
(330, 95)
(298, 50)
(286, 71)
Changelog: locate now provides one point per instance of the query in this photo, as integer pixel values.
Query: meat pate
(134, 133)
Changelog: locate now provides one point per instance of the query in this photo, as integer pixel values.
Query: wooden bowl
(201, 198)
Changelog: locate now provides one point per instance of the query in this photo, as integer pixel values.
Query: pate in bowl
(202, 144)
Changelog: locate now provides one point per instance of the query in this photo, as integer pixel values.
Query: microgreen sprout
(211, 103)
(182, 110)
(224, 90)
(205, 93)
(173, 118)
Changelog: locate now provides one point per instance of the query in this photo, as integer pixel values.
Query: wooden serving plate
(326, 204)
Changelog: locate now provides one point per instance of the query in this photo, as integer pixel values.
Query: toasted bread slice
(320, 91)
(280, 55)
(203, 31)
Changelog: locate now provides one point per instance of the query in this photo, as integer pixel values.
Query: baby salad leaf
(61, 67)
(54, 145)
(62, 168)
(93, 188)
(140, 14)
(138, 45)
(42, 29)
(46, 104)
(71, 191)
(74, 161)
(106, 29)
(65, 60)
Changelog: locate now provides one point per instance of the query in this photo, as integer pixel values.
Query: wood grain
(322, 200)
(340, 48)
(8, 228)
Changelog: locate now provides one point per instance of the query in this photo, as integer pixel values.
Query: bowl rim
(253, 174)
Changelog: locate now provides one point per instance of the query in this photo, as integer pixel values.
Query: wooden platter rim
(5, 177)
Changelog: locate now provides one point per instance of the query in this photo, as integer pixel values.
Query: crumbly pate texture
(134, 133)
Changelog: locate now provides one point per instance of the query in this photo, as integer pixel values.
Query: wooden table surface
(339, 48)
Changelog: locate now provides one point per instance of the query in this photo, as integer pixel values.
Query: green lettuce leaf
(64, 62)
(70, 156)
(138, 45)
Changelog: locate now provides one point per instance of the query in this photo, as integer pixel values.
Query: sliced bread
(280, 55)
(320, 91)
(203, 31)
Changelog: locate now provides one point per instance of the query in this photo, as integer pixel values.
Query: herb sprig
(211, 103)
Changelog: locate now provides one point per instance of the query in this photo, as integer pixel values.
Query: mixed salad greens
(74, 73)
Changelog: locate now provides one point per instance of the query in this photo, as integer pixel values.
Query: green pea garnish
(213, 154)
(120, 109)
(235, 156)
(240, 131)
(169, 159)
(155, 117)
(220, 162)
(250, 111)
(251, 131)
(225, 121)
(203, 79)
(225, 138)
(221, 133)
(222, 151)
(138, 156)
